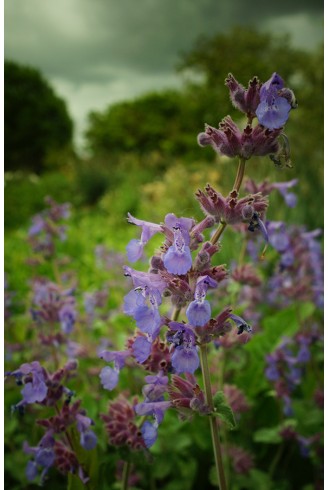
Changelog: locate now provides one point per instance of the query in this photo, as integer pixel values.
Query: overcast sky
(96, 52)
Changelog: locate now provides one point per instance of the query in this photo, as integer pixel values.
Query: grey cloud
(96, 52)
(85, 40)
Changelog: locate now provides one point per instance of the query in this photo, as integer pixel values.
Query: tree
(37, 122)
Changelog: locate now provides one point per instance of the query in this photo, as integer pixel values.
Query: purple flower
(271, 371)
(148, 318)
(304, 445)
(135, 247)
(35, 389)
(67, 317)
(149, 433)
(109, 377)
(279, 238)
(228, 140)
(273, 109)
(31, 470)
(185, 356)
(141, 349)
(118, 357)
(230, 209)
(153, 281)
(43, 454)
(246, 100)
(283, 187)
(177, 259)
(154, 405)
(88, 438)
(199, 310)
(156, 409)
(304, 354)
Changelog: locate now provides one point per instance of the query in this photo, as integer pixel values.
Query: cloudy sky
(96, 52)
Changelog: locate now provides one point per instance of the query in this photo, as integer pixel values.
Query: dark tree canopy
(37, 122)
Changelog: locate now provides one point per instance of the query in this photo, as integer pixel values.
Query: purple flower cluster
(172, 274)
(270, 102)
(299, 272)
(286, 365)
(47, 227)
(187, 397)
(120, 424)
(52, 304)
(46, 389)
(154, 404)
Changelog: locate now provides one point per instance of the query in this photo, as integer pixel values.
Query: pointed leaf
(223, 410)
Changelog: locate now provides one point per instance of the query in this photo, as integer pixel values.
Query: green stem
(212, 419)
(240, 174)
(276, 460)
(218, 233)
(125, 475)
(175, 314)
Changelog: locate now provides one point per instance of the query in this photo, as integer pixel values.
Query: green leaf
(223, 410)
(268, 436)
(74, 482)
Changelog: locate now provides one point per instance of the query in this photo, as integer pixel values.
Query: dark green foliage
(168, 122)
(37, 123)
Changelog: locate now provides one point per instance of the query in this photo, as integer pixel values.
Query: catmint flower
(149, 433)
(185, 356)
(35, 388)
(279, 237)
(246, 100)
(177, 259)
(242, 460)
(215, 327)
(88, 438)
(230, 210)
(275, 103)
(283, 187)
(135, 247)
(160, 357)
(153, 281)
(230, 141)
(304, 354)
(266, 188)
(272, 372)
(147, 318)
(154, 404)
(46, 227)
(109, 376)
(141, 348)
(43, 454)
(156, 408)
(199, 310)
(67, 317)
(186, 396)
